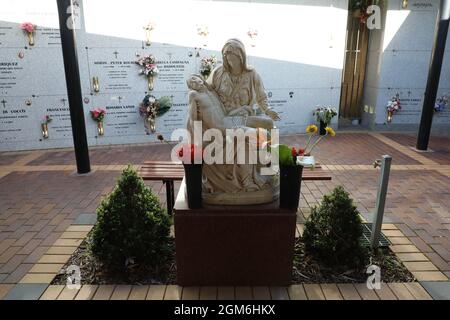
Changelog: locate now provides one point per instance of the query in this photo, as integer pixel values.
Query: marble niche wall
(298, 52)
(398, 61)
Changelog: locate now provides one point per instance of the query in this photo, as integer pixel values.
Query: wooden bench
(168, 172)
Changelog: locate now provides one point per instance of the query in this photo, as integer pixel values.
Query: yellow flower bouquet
(312, 131)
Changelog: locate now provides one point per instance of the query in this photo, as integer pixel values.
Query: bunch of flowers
(148, 64)
(190, 154)
(207, 65)
(360, 7)
(441, 103)
(46, 119)
(98, 114)
(288, 155)
(150, 26)
(28, 27)
(151, 107)
(312, 131)
(252, 33)
(203, 31)
(325, 114)
(393, 106)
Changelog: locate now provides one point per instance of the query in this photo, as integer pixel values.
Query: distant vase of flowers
(359, 10)
(29, 29)
(148, 30)
(252, 34)
(149, 69)
(324, 115)
(207, 66)
(150, 108)
(98, 115)
(441, 103)
(203, 31)
(393, 106)
(46, 120)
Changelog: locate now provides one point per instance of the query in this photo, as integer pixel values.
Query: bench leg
(170, 196)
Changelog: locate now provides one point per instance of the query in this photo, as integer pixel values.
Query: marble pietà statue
(227, 101)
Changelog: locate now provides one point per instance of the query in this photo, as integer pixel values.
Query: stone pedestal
(233, 245)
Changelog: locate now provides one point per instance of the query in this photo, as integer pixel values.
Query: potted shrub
(290, 177)
(333, 231)
(132, 228)
(192, 158)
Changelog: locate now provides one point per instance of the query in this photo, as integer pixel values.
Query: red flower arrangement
(190, 154)
(98, 114)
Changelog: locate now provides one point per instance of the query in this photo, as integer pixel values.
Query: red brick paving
(109, 155)
(10, 158)
(439, 145)
(37, 207)
(350, 148)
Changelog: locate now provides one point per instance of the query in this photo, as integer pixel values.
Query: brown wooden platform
(233, 245)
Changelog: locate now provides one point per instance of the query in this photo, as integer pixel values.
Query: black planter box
(290, 186)
(193, 174)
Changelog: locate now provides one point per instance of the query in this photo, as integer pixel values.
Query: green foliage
(333, 232)
(131, 226)
(165, 103)
(284, 154)
(358, 4)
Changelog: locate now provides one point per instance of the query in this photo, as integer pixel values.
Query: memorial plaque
(11, 36)
(17, 122)
(39, 72)
(296, 106)
(116, 70)
(175, 66)
(421, 5)
(20, 124)
(43, 14)
(123, 123)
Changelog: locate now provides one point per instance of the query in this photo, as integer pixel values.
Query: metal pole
(69, 48)
(381, 201)
(434, 75)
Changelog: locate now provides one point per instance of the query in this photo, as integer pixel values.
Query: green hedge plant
(333, 231)
(132, 227)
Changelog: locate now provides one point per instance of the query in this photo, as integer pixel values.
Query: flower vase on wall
(151, 83)
(44, 127)
(151, 125)
(30, 38)
(100, 128)
(390, 116)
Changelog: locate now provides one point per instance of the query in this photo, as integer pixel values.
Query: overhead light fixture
(404, 4)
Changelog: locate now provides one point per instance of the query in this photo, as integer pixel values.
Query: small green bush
(333, 232)
(131, 226)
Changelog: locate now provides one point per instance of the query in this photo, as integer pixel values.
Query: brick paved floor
(40, 196)
(439, 145)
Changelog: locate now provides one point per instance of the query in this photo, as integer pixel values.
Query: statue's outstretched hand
(273, 115)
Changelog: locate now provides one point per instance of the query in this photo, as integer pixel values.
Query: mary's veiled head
(237, 48)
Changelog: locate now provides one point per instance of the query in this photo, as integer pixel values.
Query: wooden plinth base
(233, 245)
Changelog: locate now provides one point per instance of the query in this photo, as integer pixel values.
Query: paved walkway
(40, 196)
